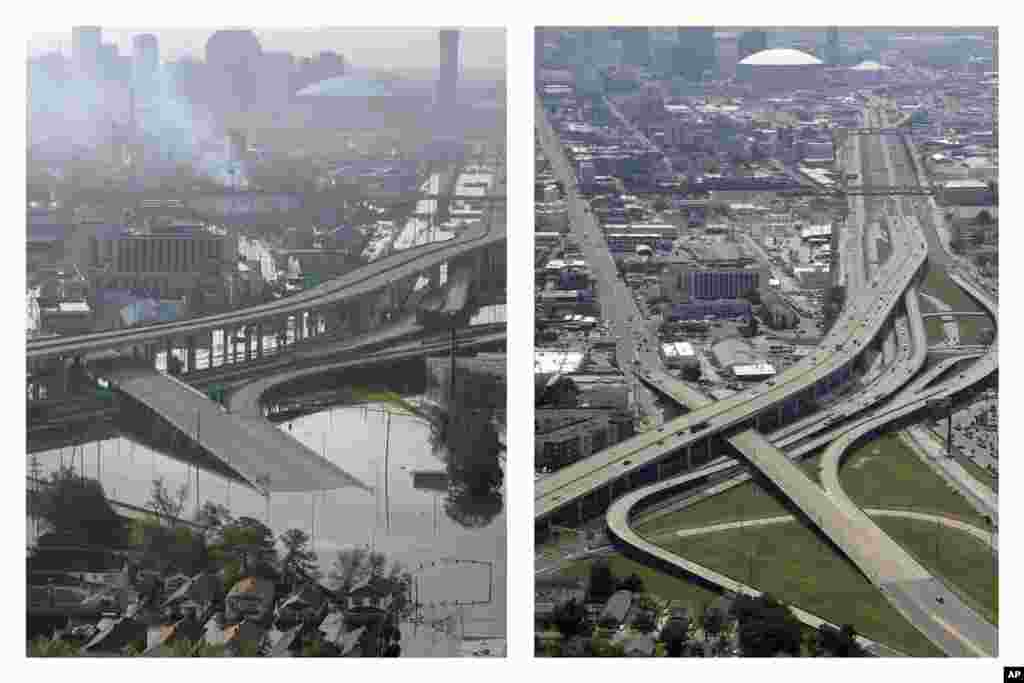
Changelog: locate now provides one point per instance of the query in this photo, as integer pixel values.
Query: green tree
(75, 514)
(632, 583)
(644, 621)
(839, 643)
(570, 619)
(165, 548)
(675, 636)
(712, 621)
(767, 627)
(165, 505)
(691, 373)
(246, 548)
(602, 582)
(298, 562)
(214, 517)
(349, 568)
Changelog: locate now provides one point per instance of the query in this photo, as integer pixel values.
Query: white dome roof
(782, 56)
(870, 66)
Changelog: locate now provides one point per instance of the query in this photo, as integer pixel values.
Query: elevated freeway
(247, 445)
(378, 275)
(646, 455)
(881, 559)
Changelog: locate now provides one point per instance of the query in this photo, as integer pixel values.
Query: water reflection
(409, 521)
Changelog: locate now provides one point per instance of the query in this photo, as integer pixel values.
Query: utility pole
(387, 450)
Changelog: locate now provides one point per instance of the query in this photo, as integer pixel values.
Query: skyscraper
(694, 54)
(833, 56)
(85, 49)
(447, 82)
(636, 46)
(145, 58)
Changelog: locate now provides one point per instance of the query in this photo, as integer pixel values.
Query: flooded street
(408, 515)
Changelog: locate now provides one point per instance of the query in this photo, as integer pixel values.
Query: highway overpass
(908, 586)
(585, 487)
(344, 298)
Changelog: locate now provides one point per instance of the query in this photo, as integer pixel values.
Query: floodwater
(417, 527)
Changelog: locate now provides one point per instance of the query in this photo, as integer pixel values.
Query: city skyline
(372, 48)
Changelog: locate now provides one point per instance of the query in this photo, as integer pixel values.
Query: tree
(349, 568)
(166, 548)
(632, 583)
(691, 373)
(602, 582)
(214, 517)
(75, 514)
(298, 562)
(767, 627)
(570, 619)
(839, 643)
(753, 296)
(660, 204)
(712, 622)
(644, 621)
(164, 504)
(983, 217)
(245, 548)
(675, 636)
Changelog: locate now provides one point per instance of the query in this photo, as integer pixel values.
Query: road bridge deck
(359, 282)
(262, 454)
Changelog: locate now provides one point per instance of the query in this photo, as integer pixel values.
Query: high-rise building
(145, 58)
(232, 65)
(833, 55)
(447, 83)
(727, 45)
(636, 46)
(85, 48)
(694, 54)
(751, 42)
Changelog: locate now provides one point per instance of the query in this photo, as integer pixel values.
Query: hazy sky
(400, 48)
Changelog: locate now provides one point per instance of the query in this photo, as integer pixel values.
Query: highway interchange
(364, 280)
(949, 624)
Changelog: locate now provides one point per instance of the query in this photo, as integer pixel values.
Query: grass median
(798, 567)
(962, 560)
(884, 473)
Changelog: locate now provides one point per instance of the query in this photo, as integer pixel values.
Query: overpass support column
(689, 458)
(248, 344)
(259, 340)
(778, 416)
(169, 349)
(191, 354)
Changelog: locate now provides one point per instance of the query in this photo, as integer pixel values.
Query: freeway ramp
(262, 454)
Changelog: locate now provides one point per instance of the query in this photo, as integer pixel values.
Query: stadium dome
(867, 73)
(870, 66)
(347, 86)
(781, 69)
(780, 57)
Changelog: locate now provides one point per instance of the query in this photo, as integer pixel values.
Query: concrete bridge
(585, 488)
(965, 350)
(956, 314)
(349, 305)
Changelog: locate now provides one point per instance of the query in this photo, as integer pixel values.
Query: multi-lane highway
(362, 281)
(855, 328)
(880, 558)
